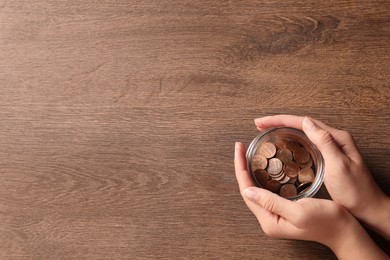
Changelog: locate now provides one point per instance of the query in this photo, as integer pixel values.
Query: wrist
(376, 215)
(341, 240)
(343, 231)
(383, 209)
(354, 243)
(378, 219)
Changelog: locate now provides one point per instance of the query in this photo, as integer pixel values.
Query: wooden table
(118, 118)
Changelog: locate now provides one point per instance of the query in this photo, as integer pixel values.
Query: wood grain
(118, 118)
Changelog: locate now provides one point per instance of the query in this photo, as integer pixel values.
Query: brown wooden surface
(118, 118)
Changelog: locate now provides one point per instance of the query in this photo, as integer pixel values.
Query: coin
(274, 176)
(284, 155)
(303, 186)
(291, 169)
(301, 155)
(280, 177)
(280, 143)
(259, 162)
(267, 149)
(288, 190)
(306, 175)
(292, 180)
(285, 179)
(291, 145)
(273, 186)
(261, 177)
(307, 164)
(274, 166)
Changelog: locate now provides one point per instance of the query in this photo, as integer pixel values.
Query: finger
(345, 142)
(272, 224)
(245, 181)
(264, 123)
(267, 220)
(264, 216)
(342, 138)
(242, 175)
(273, 203)
(323, 139)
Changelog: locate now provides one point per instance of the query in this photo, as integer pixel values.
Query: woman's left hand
(319, 220)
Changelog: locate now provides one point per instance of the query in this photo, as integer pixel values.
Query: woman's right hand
(347, 177)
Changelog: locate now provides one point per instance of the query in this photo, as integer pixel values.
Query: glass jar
(294, 140)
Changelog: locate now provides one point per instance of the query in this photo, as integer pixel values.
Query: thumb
(322, 139)
(273, 203)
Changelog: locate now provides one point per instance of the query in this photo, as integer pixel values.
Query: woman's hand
(347, 177)
(318, 220)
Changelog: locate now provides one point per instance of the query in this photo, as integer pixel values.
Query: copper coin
(307, 164)
(280, 143)
(284, 155)
(259, 162)
(267, 149)
(261, 177)
(291, 169)
(301, 155)
(288, 190)
(303, 186)
(285, 179)
(306, 175)
(274, 176)
(292, 180)
(273, 186)
(275, 166)
(292, 146)
(280, 177)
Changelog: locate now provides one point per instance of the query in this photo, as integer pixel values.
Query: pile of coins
(283, 167)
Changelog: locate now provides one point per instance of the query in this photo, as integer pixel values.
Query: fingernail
(250, 193)
(258, 123)
(309, 124)
(257, 120)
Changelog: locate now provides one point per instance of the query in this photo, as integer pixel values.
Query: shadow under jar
(284, 161)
